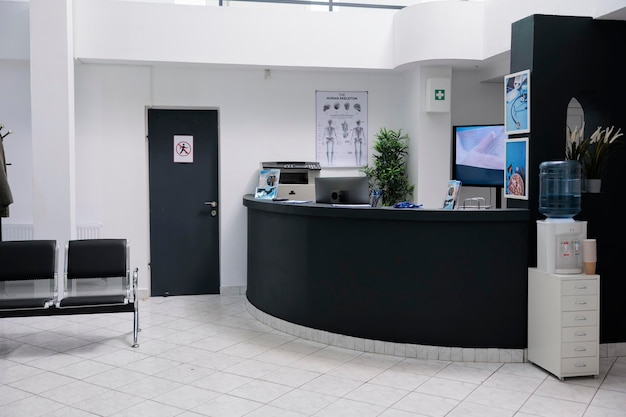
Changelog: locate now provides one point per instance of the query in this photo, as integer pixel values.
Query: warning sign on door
(183, 148)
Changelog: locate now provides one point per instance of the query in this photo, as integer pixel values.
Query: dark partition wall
(582, 58)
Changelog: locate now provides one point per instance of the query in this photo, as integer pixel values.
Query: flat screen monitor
(342, 190)
(478, 155)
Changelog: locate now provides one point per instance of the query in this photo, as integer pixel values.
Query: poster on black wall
(517, 102)
(341, 139)
(516, 168)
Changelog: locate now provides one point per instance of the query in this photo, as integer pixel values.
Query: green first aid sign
(440, 94)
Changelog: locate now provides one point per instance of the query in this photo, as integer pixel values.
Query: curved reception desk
(413, 277)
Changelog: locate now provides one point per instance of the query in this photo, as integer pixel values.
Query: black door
(184, 225)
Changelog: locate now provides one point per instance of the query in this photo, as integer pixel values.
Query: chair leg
(136, 323)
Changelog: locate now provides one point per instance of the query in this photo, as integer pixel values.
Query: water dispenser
(559, 236)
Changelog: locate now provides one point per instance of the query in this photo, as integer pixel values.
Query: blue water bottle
(559, 188)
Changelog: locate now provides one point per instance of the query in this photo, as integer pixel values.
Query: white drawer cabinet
(563, 325)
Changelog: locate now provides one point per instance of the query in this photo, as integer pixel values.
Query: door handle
(211, 203)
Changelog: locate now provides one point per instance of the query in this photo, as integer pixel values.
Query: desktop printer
(297, 179)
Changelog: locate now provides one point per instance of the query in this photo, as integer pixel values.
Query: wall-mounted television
(478, 155)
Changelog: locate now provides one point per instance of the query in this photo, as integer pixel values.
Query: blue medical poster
(517, 102)
(516, 169)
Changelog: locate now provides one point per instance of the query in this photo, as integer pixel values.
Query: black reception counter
(454, 278)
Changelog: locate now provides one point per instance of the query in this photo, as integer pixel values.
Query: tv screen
(478, 155)
(342, 190)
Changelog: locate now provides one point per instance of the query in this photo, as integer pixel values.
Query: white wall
(476, 102)
(433, 21)
(233, 36)
(260, 120)
(111, 155)
(15, 115)
(14, 30)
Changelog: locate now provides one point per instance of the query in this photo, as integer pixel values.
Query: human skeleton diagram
(331, 137)
(358, 135)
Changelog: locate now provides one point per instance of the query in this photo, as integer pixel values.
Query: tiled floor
(206, 356)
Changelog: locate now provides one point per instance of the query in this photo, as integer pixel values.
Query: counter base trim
(405, 350)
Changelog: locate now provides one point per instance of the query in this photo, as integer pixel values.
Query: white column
(430, 140)
(52, 107)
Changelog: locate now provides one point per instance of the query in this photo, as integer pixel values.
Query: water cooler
(559, 236)
(563, 302)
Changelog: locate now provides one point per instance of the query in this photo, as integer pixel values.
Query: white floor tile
(185, 373)
(594, 411)
(466, 409)
(332, 385)
(571, 392)
(290, 376)
(614, 400)
(552, 407)
(74, 392)
(18, 372)
(9, 394)
(108, 403)
(32, 406)
(456, 390)
(227, 406)
(149, 387)
(303, 401)
(498, 398)
(205, 355)
(465, 374)
(398, 379)
(425, 404)
(149, 409)
(350, 408)
(187, 397)
(271, 411)
(260, 391)
(221, 381)
(42, 382)
(377, 394)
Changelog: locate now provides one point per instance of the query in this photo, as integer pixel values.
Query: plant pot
(592, 185)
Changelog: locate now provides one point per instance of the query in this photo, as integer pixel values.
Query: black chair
(97, 279)
(28, 278)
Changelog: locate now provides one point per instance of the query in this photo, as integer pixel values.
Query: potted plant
(591, 152)
(389, 172)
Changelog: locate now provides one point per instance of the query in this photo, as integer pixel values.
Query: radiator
(26, 231)
(17, 231)
(89, 231)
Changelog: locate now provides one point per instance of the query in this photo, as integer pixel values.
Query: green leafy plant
(591, 151)
(389, 172)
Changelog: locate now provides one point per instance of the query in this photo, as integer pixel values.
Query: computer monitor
(342, 190)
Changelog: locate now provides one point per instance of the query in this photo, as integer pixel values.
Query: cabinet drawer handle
(580, 349)
(580, 334)
(581, 303)
(581, 287)
(581, 318)
(580, 365)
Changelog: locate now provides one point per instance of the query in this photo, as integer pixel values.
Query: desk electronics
(297, 179)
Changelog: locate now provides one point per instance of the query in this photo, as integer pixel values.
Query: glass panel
(32, 288)
(96, 286)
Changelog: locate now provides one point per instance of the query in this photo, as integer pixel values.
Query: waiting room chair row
(96, 279)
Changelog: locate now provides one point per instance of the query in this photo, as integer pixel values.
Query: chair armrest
(135, 283)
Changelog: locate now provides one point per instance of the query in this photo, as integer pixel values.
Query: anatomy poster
(341, 128)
